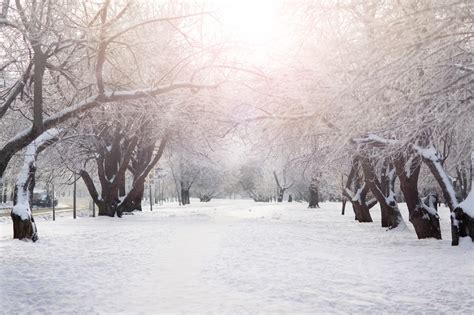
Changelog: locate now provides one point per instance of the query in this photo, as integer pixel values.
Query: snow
(468, 204)
(375, 138)
(357, 196)
(408, 166)
(233, 256)
(382, 140)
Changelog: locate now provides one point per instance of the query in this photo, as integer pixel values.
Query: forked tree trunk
(280, 188)
(425, 220)
(356, 191)
(383, 192)
(361, 207)
(462, 224)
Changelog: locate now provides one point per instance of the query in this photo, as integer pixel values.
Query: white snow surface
(234, 257)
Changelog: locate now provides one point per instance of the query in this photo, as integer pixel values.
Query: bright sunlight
(249, 21)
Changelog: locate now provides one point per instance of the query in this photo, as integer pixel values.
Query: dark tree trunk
(136, 203)
(462, 225)
(25, 227)
(134, 198)
(280, 194)
(356, 192)
(383, 192)
(280, 188)
(184, 195)
(426, 223)
(362, 210)
(313, 195)
(106, 209)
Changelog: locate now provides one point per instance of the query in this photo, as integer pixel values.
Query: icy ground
(234, 257)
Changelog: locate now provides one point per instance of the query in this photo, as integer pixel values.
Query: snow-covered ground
(233, 256)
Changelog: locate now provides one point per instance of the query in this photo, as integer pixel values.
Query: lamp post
(151, 198)
(54, 210)
(74, 199)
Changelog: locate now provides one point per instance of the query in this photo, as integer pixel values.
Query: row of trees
(91, 71)
(368, 93)
(381, 93)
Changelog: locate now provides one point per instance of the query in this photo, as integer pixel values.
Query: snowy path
(233, 257)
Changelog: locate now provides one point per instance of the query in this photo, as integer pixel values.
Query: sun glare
(250, 21)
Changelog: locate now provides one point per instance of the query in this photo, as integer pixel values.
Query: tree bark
(184, 195)
(462, 225)
(383, 192)
(313, 194)
(356, 192)
(424, 220)
(24, 226)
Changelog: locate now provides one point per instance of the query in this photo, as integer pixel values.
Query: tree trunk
(24, 226)
(383, 192)
(184, 195)
(424, 220)
(24, 229)
(134, 198)
(356, 191)
(462, 225)
(280, 193)
(362, 211)
(313, 195)
(138, 197)
(280, 188)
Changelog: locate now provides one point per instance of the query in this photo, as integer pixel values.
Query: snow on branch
(433, 159)
(371, 138)
(25, 136)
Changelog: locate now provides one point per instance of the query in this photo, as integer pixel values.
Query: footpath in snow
(233, 256)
